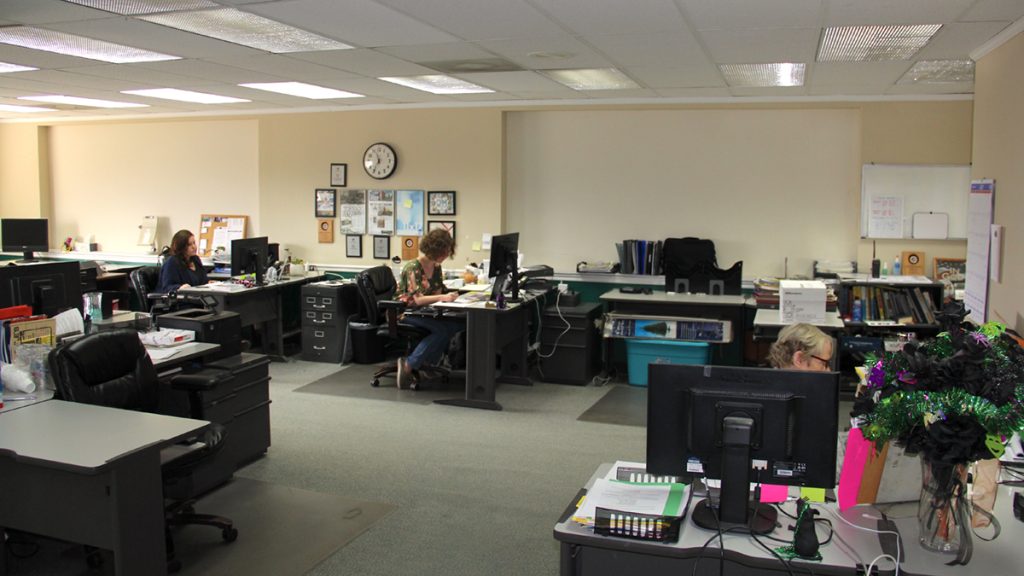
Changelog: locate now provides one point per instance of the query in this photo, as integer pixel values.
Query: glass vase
(938, 517)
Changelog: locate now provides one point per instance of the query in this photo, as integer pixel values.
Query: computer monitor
(48, 288)
(739, 425)
(25, 235)
(504, 264)
(249, 256)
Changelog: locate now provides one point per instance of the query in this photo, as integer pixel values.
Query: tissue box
(86, 247)
(802, 301)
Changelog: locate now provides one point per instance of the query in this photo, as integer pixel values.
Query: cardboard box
(802, 301)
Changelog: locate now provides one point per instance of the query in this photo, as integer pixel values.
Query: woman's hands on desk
(427, 300)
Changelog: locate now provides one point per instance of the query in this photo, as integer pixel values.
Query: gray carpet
(282, 531)
(623, 404)
(353, 381)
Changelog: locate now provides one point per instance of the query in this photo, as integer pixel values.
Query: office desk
(585, 554)
(24, 399)
(89, 474)
(261, 307)
(731, 308)
(490, 332)
(184, 353)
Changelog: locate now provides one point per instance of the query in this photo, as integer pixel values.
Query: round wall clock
(380, 160)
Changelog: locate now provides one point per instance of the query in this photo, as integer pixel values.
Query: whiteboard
(892, 194)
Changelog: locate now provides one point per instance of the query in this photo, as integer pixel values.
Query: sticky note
(476, 246)
(774, 493)
(812, 494)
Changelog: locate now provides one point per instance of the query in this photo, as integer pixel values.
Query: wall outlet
(563, 287)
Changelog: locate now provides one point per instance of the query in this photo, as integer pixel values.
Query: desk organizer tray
(637, 526)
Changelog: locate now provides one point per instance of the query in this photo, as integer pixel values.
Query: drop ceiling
(672, 50)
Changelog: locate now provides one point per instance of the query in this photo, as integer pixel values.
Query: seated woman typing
(182, 268)
(801, 347)
(422, 284)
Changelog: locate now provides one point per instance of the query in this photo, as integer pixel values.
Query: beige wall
(915, 133)
(456, 150)
(999, 154)
(24, 188)
(106, 177)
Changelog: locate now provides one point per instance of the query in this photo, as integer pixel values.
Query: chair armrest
(200, 381)
(397, 305)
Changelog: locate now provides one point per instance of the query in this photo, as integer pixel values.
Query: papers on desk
(657, 499)
(470, 297)
(225, 286)
(477, 287)
(165, 337)
(157, 354)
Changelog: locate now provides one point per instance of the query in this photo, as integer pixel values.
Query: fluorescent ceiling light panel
(24, 109)
(5, 68)
(136, 7)
(874, 43)
(302, 89)
(939, 72)
(437, 84)
(763, 75)
(71, 45)
(247, 29)
(76, 101)
(591, 79)
(185, 96)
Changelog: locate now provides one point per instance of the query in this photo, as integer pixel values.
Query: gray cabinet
(325, 309)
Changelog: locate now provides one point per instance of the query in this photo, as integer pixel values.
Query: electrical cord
(899, 544)
(568, 327)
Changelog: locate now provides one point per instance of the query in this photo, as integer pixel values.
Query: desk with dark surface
(731, 308)
(89, 474)
(262, 307)
(491, 332)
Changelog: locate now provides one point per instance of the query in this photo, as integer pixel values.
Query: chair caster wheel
(375, 382)
(229, 534)
(414, 385)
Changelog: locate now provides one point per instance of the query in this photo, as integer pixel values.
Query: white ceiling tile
(39, 58)
(660, 77)
(479, 19)
(70, 79)
(731, 14)
(957, 40)
(285, 66)
(1008, 10)
(364, 61)
(772, 92)
(953, 88)
(37, 12)
(762, 45)
(508, 81)
(846, 89)
(571, 52)
(211, 71)
(860, 12)
(619, 94)
(649, 49)
(136, 74)
(437, 52)
(587, 17)
(356, 22)
(149, 36)
(693, 92)
(850, 73)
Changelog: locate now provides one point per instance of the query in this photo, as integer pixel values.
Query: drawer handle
(328, 315)
(310, 300)
(310, 314)
(319, 347)
(327, 300)
(318, 333)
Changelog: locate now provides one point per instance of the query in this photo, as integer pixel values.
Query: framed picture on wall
(325, 202)
(448, 225)
(339, 174)
(953, 270)
(441, 203)
(354, 245)
(382, 247)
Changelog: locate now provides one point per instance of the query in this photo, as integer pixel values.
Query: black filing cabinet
(577, 355)
(241, 404)
(326, 308)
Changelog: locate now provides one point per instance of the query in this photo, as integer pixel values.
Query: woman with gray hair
(801, 347)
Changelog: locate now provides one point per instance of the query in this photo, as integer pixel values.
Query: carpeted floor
(353, 381)
(623, 404)
(282, 531)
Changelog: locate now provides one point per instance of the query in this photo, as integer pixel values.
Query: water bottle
(896, 266)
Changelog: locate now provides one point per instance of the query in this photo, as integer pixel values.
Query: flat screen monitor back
(504, 264)
(49, 288)
(249, 256)
(25, 235)
(790, 417)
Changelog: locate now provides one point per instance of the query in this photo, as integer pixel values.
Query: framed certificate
(339, 174)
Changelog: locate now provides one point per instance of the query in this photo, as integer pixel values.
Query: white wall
(106, 177)
(763, 184)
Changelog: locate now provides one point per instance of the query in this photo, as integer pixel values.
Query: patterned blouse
(414, 282)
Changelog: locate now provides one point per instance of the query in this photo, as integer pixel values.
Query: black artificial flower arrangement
(953, 399)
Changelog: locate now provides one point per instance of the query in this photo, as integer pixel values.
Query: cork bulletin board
(217, 230)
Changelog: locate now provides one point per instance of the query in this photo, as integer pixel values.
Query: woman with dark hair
(182, 268)
(422, 284)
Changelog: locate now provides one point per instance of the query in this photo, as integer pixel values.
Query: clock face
(380, 160)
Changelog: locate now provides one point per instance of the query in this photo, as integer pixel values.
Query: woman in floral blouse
(422, 284)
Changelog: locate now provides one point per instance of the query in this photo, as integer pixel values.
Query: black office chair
(113, 369)
(144, 282)
(377, 287)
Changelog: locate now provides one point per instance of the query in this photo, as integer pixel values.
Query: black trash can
(367, 346)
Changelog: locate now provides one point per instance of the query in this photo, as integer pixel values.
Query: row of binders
(640, 257)
(630, 503)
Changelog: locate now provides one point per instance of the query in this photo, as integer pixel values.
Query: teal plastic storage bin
(641, 353)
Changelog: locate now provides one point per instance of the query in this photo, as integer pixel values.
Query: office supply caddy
(637, 526)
